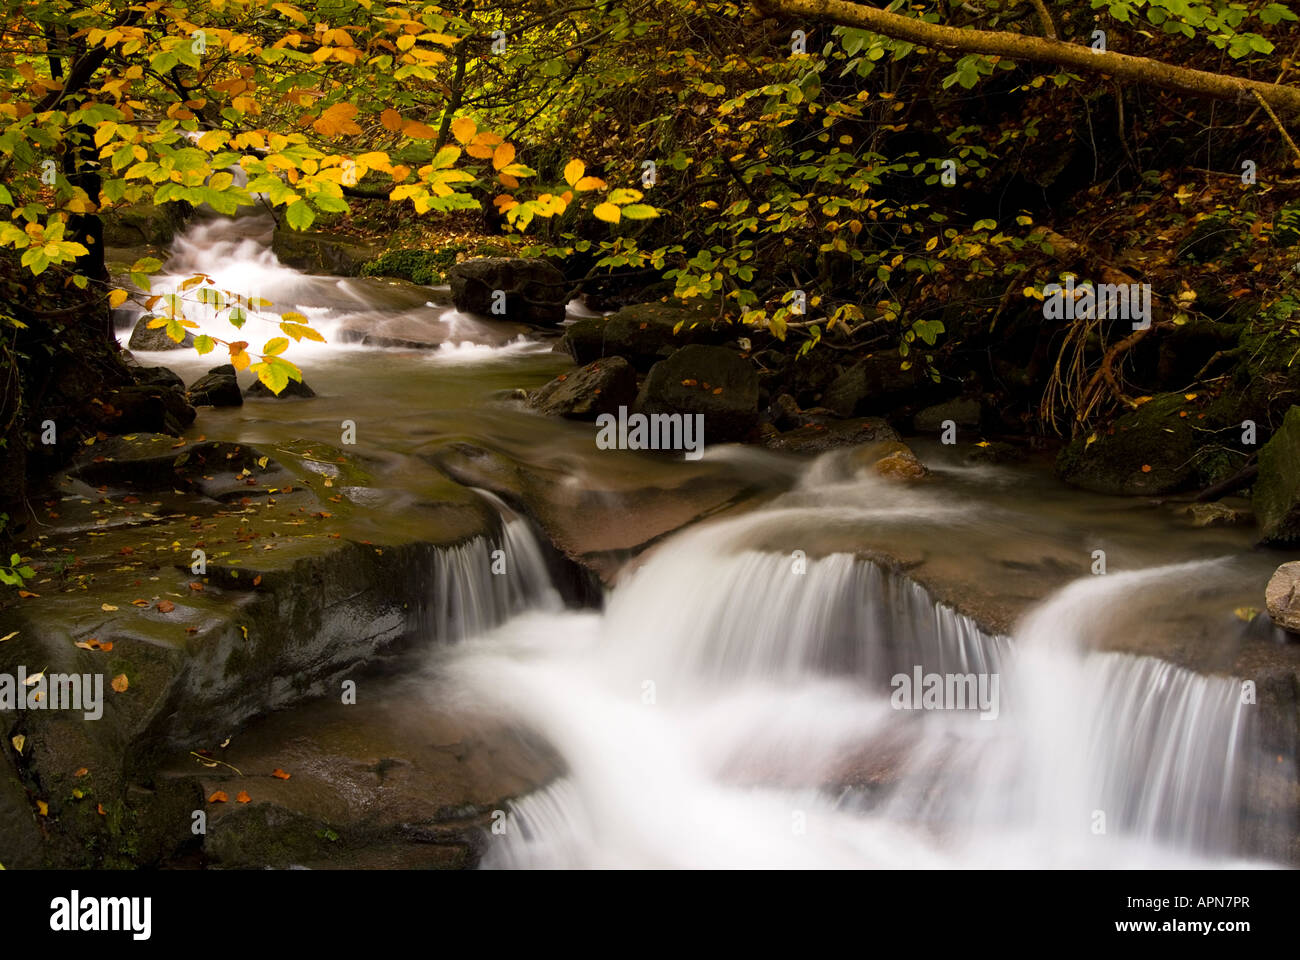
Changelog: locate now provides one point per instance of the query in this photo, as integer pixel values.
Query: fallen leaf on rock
(42, 808)
(140, 603)
(120, 683)
(195, 585)
(243, 797)
(18, 742)
(27, 593)
(81, 772)
(35, 678)
(8, 636)
(218, 797)
(277, 772)
(100, 808)
(166, 606)
(107, 607)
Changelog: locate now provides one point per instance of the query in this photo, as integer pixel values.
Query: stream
(732, 703)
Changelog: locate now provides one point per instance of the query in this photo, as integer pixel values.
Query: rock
(875, 385)
(158, 377)
(784, 412)
(901, 465)
(535, 291)
(1216, 515)
(1282, 596)
(145, 224)
(1150, 450)
(818, 437)
(712, 381)
(142, 409)
(585, 393)
(315, 252)
(963, 411)
(143, 338)
(994, 452)
(294, 388)
(1276, 497)
(643, 333)
(217, 388)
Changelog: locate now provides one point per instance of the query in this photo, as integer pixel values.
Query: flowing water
(735, 702)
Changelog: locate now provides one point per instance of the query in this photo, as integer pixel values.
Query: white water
(724, 711)
(769, 687)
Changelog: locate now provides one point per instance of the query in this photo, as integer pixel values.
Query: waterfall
(728, 711)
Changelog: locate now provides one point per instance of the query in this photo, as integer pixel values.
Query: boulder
(142, 409)
(535, 291)
(315, 252)
(1282, 596)
(144, 224)
(901, 465)
(644, 333)
(963, 411)
(143, 338)
(1150, 450)
(1276, 497)
(712, 381)
(1216, 515)
(874, 385)
(585, 393)
(820, 437)
(294, 388)
(217, 388)
(158, 377)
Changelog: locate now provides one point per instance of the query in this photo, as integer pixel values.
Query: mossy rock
(321, 252)
(1152, 450)
(1276, 497)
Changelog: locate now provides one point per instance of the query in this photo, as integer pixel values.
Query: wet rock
(644, 333)
(963, 411)
(784, 412)
(875, 385)
(901, 464)
(535, 291)
(294, 388)
(158, 377)
(712, 381)
(219, 387)
(143, 338)
(1276, 496)
(315, 252)
(818, 437)
(1216, 515)
(1282, 597)
(585, 393)
(994, 452)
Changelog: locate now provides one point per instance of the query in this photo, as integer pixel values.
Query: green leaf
(640, 211)
(204, 344)
(299, 215)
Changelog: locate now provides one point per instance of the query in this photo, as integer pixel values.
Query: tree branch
(1015, 46)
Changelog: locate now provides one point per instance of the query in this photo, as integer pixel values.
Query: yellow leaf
(589, 183)
(931, 243)
(503, 156)
(418, 131)
(573, 171)
(18, 742)
(463, 129)
(607, 212)
(241, 359)
(43, 808)
(116, 299)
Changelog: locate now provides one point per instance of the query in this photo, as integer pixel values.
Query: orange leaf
(277, 772)
(243, 797)
(391, 119)
(166, 606)
(195, 585)
(418, 131)
(503, 156)
(99, 807)
(1146, 468)
(218, 797)
(81, 772)
(120, 683)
